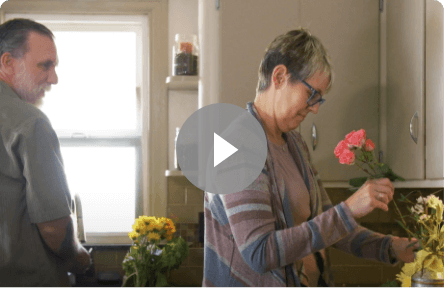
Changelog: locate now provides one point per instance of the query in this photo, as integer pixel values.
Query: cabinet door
(434, 90)
(405, 87)
(349, 30)
(246, 29)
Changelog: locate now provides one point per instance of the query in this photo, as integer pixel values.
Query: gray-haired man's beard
(39, 103)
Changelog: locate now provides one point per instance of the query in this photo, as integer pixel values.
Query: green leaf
(396, 177)
(357, 182)
(379, 176)
(401, 224)
(388, 173)
(402, 197)
(133, 252)
(161, 280)
(384, 168)
(369, 155)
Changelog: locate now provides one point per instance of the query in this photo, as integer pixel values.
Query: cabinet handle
(314, 137)
(414, 137)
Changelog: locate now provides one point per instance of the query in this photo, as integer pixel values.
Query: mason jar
(185, 55)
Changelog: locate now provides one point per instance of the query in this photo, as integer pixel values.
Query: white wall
(182, 19)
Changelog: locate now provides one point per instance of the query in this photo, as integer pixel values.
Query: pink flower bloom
(369, 145)
(347, 157)
(348, 136)
(356, 139)
(340, 148)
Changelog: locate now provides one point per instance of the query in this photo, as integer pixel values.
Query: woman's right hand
(375, 193)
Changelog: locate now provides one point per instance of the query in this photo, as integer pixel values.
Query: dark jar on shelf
(185, 55)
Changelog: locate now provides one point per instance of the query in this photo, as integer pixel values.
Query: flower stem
(399, 212)
(363, 169)
(127, 278)
(368, 162)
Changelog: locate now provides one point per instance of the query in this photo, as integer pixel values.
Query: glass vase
(428, 278)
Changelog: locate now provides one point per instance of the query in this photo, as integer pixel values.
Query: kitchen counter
(87, 281)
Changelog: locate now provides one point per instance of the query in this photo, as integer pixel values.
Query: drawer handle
(414, 137)
(314, 136)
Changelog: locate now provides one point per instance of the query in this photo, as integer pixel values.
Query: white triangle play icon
(222, 149)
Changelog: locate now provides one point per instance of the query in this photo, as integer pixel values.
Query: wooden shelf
(174, 173)
(183, 82)
(177, 173)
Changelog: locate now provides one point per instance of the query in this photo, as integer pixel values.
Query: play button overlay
(221, 148)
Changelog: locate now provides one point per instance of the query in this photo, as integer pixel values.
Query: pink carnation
(355, 139)
(369, 145)
(340, 148)
(347, 157)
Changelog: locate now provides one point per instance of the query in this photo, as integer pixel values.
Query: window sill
(108, 239)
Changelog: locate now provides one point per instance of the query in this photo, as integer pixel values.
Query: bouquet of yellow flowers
(146, 264)
(427, 215)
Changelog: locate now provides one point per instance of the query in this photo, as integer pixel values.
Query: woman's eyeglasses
(315, 97)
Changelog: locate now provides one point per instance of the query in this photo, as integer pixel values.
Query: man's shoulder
(15, 113)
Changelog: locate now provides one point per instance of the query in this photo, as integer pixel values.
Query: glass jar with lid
(185, 55)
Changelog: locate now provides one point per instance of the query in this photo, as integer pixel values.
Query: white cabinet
(246, 29)
(405, 87)
(386, 67)
(434, 91)
(349, 30)
(414, 54)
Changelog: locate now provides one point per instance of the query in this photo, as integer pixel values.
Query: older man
(37, 240)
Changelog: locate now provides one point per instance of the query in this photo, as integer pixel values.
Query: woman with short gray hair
(279, 228)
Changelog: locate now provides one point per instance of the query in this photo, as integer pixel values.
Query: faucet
(79, 217)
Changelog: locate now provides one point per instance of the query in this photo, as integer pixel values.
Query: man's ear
(6, 62)
(279, 76)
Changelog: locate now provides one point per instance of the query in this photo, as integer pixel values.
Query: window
(95, 110)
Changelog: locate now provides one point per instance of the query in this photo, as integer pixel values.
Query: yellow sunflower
(136, 228)
(170, 223)
(133, 235)
(157, 225)
(153, 236)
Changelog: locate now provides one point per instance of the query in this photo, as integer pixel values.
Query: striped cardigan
(250, 238)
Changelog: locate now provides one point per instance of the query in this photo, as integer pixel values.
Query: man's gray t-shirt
(33, 189)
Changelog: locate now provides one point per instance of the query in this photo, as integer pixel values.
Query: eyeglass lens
(315, 99)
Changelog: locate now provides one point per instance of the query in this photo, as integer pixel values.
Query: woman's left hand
(401, 251)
